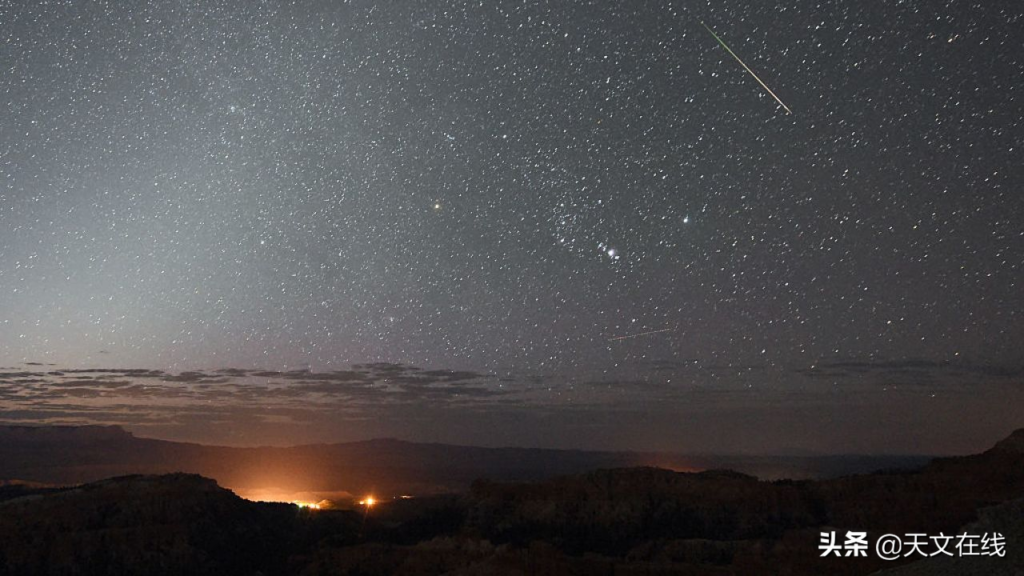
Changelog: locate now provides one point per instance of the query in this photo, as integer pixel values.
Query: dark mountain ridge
(72, 455)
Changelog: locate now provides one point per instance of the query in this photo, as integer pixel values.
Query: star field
(509, 187)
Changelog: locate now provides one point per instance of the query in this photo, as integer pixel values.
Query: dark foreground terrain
(618, 521)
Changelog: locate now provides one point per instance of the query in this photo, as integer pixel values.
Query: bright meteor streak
(724, 45)
(640, 334)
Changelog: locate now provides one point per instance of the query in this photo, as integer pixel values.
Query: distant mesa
(1012, 444)
(76, 454)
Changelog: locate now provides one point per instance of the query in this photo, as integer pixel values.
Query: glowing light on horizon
(300, 503)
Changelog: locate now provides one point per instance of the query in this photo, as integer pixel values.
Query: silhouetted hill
(660, 516)
(616, 521)
(70, 455)
(1012, 444)
(174, 524)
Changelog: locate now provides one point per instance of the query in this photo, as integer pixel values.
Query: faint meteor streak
(765, 86)
(639, 335)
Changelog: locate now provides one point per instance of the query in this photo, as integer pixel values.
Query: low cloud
(687, 397)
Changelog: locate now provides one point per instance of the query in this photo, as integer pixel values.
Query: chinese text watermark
(896, 546)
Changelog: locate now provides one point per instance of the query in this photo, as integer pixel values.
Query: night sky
(473, 203)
